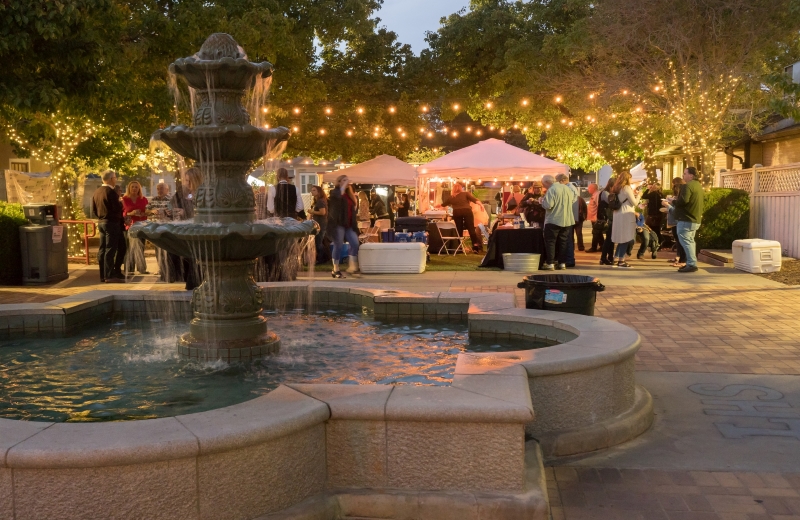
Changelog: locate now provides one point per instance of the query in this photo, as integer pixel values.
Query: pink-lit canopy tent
(489, 160)
(383, 169)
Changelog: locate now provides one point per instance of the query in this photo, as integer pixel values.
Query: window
(20, 165)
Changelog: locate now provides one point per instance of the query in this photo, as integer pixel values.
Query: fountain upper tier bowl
(224, 242)
(227, 72)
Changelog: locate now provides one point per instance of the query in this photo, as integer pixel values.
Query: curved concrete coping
(597, 342)
(81, 445)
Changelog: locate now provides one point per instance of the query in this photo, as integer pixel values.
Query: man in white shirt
(284, 200)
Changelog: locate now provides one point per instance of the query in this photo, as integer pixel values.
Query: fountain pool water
(124, 370)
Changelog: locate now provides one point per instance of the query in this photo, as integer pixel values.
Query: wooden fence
(774, 202)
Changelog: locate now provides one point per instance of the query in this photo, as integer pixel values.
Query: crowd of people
(341, 216)
(619, 214)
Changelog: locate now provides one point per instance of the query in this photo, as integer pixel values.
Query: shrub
(11, 218)
(726, 217)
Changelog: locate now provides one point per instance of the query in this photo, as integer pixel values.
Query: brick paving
(629, 494)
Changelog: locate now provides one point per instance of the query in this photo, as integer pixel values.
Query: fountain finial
(220, 45)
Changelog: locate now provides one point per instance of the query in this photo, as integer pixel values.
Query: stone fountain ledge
(330, 450)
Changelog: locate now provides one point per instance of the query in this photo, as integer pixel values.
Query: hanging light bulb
(328, 110)
(360, 110)
(456, 107)
(295, 129)
(296, 110)
(265, 110)
(322, 131)
(489, 105)
(425, 108)
(478, 132)
(558, 99)
(349, 133)
(524, 102)
(392, 110)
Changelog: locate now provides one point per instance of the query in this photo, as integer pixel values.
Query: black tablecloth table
(527, 240)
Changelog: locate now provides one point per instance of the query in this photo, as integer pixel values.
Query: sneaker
(547, 267)
(688, 269)
(561, 267)
(592, 250)
(654, 255)
(639, 257)
(606, 262)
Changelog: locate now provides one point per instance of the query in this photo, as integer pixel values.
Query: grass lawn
(437, 263)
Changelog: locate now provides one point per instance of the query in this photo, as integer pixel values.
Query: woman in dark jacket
(377, 208)
(531, 207)
(343, 224)
(404, 206)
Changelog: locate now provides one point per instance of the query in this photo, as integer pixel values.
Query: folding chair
(372, 234)
(485, 234)
(448, 232)
(383, 224)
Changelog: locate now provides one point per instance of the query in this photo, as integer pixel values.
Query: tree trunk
(708, 176)
(63, 187)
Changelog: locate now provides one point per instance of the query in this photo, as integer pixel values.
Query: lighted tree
(694, 63)
(53, 140)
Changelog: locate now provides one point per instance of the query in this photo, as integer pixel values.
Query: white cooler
(756, 255)
(392, 257)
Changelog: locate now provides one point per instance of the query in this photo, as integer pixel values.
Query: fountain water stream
(224, 238)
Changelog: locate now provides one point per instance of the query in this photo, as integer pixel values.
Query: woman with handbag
(624, 230)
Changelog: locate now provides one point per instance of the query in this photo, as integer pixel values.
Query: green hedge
(11, 218)
(726, 217)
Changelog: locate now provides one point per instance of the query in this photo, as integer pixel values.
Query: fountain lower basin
(341, 449)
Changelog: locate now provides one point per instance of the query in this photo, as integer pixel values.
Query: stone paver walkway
(636, 494)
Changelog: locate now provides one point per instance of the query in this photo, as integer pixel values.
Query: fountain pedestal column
(227, 322)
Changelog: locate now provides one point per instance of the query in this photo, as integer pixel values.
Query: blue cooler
(402, 237)
(419, 236)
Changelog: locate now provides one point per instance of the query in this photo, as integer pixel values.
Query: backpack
(613, 202)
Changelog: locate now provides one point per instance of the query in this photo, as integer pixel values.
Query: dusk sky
(410, 19)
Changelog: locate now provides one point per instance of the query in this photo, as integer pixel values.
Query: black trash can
(561, 292)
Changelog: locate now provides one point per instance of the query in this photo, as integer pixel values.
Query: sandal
(337, 274)
(679, 264)
(623, 264)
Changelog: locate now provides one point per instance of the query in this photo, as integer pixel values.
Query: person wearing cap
(689, 213)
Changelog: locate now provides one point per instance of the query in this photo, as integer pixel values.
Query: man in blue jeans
(688, 214)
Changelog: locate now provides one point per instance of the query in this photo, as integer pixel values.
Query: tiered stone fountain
(225, 239)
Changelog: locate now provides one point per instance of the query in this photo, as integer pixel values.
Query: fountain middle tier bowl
(224, 242)
(220, 143)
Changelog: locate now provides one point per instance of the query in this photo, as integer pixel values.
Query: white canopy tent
(492, 159)
(383, 169)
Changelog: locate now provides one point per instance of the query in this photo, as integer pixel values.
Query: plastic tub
(561, 292)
